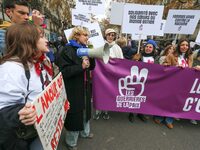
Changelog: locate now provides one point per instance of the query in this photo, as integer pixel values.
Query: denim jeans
(2, 41)
(72, 136)
(36, 144)
(166, 119)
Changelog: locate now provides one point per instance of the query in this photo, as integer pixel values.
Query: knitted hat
(110, 31)
(152, 42)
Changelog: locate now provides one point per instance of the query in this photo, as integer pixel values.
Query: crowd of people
(27, 67)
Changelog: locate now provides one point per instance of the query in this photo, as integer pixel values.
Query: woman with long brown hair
(22, 68)
(181, 57)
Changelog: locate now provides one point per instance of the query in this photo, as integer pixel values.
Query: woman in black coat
(74, 70)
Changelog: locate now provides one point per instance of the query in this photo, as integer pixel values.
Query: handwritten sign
(78, 19)
(182, 21)
(91, 6)
(95, 37)
(142, 19)
(51, 107)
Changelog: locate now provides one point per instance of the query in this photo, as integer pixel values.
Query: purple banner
(130, 86)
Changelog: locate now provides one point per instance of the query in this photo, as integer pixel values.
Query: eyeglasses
(111, 34)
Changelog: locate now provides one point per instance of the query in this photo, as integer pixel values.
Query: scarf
(43, 61)
(75, 44)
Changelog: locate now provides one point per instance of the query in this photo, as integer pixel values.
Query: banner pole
(139, 43)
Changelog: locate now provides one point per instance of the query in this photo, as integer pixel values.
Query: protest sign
(138, 87)
(145, 19)
(198, 38)
(78, 18)
(138, 37)
(182, 21)
(51, 108)
(96, 7)
(68, 33)
(116, 13)
(162, 27)
(95, 37)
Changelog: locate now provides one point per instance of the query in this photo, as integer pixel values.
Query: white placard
(95, 38)
(95, 7)
(182, 21)
(78, 18)
(68, 33)
(142, 19)
(51, 108)
(162, 27)
(117, 10)
(138, 37)
(198, 38)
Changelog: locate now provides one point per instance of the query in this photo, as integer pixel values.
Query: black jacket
(73, 75)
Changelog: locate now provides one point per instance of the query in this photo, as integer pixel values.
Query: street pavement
(118, 133)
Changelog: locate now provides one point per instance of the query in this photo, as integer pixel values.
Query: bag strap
(28, 76)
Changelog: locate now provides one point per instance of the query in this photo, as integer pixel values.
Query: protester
(74, 70)
(110, 38)
(128, 53)
(158, 119)
(21, 70)
(148, 55)
(197, 64)
(182, 57)
(115, 52)
(168, 50)
(18, 12)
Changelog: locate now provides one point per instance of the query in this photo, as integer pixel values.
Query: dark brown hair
(189, 51)
(12, 3)
(21, 43)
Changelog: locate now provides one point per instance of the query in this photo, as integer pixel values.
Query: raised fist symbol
(133, 85)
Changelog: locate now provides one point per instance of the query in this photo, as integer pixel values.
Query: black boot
(142, 117)
(131, 117)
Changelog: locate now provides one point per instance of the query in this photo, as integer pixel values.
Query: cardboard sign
(78, 18)
(182, 21)
(96, 7)
(116, 16)
(145, 19)
(51, 108)
(198, 38)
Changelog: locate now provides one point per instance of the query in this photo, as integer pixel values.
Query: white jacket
(13, 81)
(115, 50)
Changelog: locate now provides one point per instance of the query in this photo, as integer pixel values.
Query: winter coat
(73, 75)
(172, 60)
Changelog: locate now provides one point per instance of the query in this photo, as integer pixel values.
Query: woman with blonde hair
(74, 69)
